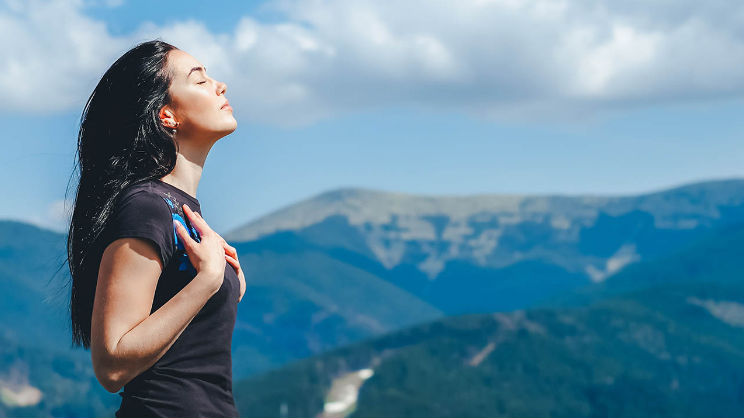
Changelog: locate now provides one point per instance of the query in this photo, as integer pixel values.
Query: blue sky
(509, 96)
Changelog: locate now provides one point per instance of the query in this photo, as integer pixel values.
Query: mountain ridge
(260, 226)
(495, 231)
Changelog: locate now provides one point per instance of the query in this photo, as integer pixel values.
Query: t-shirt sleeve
(145, 215)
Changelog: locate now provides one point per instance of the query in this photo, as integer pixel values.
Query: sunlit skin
(197, 112)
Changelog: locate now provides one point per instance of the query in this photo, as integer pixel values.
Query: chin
(230, 129)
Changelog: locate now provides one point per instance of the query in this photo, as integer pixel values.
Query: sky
(445, 97)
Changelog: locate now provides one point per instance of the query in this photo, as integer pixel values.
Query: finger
(199, 223)
(181, 231)
(234, 263)
(232, 260)
(229, 250)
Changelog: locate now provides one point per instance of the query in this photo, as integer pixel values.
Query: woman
(154, 289)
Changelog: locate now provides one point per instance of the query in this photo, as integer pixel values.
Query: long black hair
(121, 142)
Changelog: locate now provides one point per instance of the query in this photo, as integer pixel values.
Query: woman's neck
(185, 175)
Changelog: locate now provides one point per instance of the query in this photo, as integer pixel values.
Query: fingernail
(187, 206)
(176, 223)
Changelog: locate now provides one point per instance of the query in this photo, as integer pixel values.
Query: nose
(222, 88)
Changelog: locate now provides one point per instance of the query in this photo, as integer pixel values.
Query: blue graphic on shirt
(184, 262)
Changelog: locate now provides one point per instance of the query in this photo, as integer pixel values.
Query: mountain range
(665, 338)
(354, 264)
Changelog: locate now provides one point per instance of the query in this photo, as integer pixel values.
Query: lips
(227, 103)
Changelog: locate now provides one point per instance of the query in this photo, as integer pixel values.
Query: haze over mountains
(353, 264)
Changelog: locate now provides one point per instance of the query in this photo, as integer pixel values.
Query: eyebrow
(196, 69)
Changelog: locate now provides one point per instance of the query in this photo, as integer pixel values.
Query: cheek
(198, 110)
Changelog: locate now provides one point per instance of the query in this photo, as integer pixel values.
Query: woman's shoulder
(143, 197)
(144, 186)
(143, 212)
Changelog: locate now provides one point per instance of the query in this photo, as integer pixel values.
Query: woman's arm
(125, 339)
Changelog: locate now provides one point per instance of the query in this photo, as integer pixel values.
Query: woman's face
(196, 100)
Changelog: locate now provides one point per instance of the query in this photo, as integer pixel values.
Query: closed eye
(201, 82)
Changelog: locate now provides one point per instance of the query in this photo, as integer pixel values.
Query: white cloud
(493, 58)
(51, 55)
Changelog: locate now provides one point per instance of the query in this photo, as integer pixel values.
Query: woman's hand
(231, 256)
(207, 254)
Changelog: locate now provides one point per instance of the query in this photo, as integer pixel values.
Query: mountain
(494, 253)
(676, 349)
(661, 337)
(430, 245)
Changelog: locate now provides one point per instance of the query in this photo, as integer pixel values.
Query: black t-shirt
(194, 377)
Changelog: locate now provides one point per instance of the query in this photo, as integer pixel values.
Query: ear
(167, 118)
